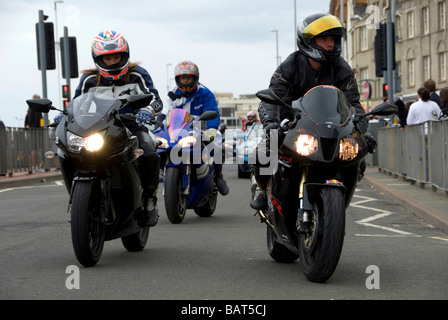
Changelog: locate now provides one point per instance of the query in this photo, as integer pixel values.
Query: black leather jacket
(295, 76)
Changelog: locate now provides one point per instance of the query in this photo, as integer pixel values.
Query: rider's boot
(150, 181)
(259, 198)
(150, 213)
(221, 183)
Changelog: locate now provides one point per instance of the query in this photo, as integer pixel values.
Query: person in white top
(423, 110)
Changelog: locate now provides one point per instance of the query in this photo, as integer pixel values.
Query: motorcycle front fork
(303, 222)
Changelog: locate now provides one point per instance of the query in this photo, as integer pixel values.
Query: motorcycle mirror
(269, 96)
(384, 109)
(139, 101)
(208, 115)
(40, 105)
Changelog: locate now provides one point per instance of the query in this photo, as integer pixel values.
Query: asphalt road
(223, 257)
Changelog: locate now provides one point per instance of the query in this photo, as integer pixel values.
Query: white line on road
(382, 214)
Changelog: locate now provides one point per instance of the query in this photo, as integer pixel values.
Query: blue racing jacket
(197, 103)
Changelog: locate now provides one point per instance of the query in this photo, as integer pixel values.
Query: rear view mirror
(40, 105)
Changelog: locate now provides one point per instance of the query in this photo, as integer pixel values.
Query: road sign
(367, 90)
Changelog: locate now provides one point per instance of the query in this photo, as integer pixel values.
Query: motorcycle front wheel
(88, 231)
(137, 241)
(321, 247)
(175, 199)
(208, 208)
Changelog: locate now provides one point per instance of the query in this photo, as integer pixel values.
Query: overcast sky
(230, 40)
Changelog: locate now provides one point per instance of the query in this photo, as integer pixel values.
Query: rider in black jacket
(316, 62)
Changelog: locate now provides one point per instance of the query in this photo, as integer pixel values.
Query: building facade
(233, 111)
(421, 43)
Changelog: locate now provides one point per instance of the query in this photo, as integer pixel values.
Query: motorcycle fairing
(177, 120)
(89, 113)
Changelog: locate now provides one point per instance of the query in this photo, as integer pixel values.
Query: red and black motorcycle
(320, 154)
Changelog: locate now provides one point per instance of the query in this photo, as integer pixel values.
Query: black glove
(371, 143)
(173, 96)
(269, 127)
(363, 124)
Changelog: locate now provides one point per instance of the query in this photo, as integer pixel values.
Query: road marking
(382, 214)
(56, 183)
(388, 235)
(439, 238)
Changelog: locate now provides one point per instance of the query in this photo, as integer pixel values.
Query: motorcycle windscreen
(326, 105)
(177, 120)
(90, 108)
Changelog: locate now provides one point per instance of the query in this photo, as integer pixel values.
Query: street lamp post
(295, 24)
(167, 78)
(276, 42)
(58, 48)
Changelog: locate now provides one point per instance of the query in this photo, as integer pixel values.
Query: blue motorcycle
(186, 150)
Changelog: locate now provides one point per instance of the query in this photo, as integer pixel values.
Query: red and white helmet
(110, 42)
(186, 68)
(252, 115)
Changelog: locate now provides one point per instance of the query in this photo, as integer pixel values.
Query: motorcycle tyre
(136, 242)
(278, 251)
(175, 200)
(208, 208)
(88, 245)
(320, 258)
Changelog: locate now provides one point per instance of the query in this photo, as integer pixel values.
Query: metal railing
(415, 155)
(24, 150)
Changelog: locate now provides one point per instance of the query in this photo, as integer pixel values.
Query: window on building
(442, 15)
(443, 67)
(427, 67)
(363, 38)
(411, 72)
(398, 27)
(410, 17)
(425, 17)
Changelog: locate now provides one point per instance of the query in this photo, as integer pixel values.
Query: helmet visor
(321, 25)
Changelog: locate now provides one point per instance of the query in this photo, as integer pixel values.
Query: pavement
(426, 203)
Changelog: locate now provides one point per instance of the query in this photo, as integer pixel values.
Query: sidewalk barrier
(23, 150)
(415, 156)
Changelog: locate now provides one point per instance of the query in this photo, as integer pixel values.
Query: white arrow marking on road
(381, 214)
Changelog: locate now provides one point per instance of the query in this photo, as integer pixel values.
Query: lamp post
(295, 25)
(276, 41)
(167, 78)
(57, 47)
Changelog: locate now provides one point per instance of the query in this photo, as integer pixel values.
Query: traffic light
(66, 91)
(50, 56)
(73, 57)
(381, 49)
(385, 91)
(65, 103)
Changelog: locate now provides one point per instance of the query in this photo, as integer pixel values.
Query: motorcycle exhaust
(264, 219)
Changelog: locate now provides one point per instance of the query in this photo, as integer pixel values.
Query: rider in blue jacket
(195, 98)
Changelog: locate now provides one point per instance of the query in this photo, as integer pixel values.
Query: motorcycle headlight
(348, 149)
(164, 143)
(306, 145)
(90, 143)
(94, 142)
(187, 142)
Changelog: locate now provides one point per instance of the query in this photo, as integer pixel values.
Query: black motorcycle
(319, 165)
(99, 163)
